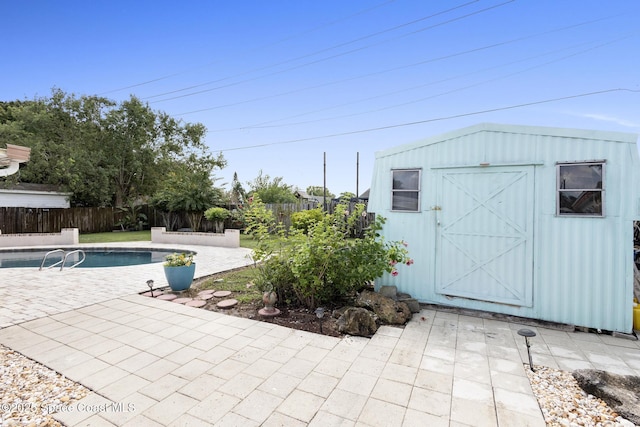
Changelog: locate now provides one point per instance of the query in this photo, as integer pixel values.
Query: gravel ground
(564, 403)
(30, 391)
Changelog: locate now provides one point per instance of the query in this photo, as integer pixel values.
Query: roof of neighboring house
(305, 196)
(27, 186)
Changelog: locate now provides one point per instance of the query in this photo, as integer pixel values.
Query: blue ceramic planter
(180, 278)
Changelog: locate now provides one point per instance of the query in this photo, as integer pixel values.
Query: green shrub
(216, 214)
(326, 265)
(303, 220)
(258, 219)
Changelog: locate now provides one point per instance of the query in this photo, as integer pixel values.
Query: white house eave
(39, 193)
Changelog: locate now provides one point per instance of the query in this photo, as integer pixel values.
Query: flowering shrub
(398, 254)
(324, 263)
(178, 260)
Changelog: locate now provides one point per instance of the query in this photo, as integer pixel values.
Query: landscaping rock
(388, 310)
(413, 303)
(357, 321)
(389, 291)
(619, 392)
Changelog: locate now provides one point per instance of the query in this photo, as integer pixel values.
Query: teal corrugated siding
(582, 267)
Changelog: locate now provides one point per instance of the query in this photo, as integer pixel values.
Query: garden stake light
(150, 285)
(528, 333)
(320, 315)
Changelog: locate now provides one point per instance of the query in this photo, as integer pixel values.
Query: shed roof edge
(613, 136)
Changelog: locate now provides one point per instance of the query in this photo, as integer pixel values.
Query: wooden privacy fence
(283, 211)
(52, 220)
(97, 220)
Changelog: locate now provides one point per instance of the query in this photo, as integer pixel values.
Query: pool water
(95, 258)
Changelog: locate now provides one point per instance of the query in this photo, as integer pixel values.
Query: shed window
(580, 189)
(405, 192)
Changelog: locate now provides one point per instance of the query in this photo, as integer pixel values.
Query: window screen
(580, 189)
(406, 190)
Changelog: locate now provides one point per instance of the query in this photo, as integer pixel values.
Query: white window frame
(412, 190)
(602, 190)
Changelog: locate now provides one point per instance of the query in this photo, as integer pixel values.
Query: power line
(455, 90)
(266, 67)
(319, 27)
(388, 70)
(332, 56)
(456, 116)
(299, 57)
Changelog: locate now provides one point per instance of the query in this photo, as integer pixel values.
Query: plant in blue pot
(179, 270)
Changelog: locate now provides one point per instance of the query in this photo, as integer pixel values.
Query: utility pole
(357, 175)
(324, 184)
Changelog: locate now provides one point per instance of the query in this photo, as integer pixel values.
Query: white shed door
(485, 234)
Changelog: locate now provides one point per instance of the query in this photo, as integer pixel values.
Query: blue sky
(278, 83)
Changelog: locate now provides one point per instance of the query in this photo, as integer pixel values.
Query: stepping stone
(221, 294)
(269, 313)
(205, 296)
(227, 303)
(167, 297)
(182, 300)
(196, 303)
(206, 292)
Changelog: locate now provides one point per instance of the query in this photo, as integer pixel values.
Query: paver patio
(153, 362)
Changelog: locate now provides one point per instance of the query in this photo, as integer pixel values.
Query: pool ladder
(62, 262)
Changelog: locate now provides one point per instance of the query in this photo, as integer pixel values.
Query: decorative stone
(205, 297)
(221, 294)
(357, 321)
(620, 392)
(167, 297)
(388, 310)
(412, 303)
(564, 403)
(389, 291)
(196, 303)
(206, 292)
(269, 298)
(227, 303)
(182, 300)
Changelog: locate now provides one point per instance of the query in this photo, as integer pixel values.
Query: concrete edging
(228, 239)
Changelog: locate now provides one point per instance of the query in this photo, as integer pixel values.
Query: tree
(64, 134)
(237, 194)
(130, 133)
(104, 153)
(314, 190)
(347, 195)
(271, 191)
(188, 187)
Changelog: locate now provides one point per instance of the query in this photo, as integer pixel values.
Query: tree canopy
(271, 190)
(107, 153)
(318, 190)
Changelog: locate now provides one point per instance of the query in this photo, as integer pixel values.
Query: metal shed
(527, 221)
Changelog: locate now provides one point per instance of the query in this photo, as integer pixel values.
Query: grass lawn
(120, 236)
(239, 281)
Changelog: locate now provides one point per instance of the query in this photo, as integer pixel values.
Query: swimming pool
(95, 257)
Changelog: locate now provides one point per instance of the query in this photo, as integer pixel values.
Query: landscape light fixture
(150, 285)
(528, 333)
(320, 315)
